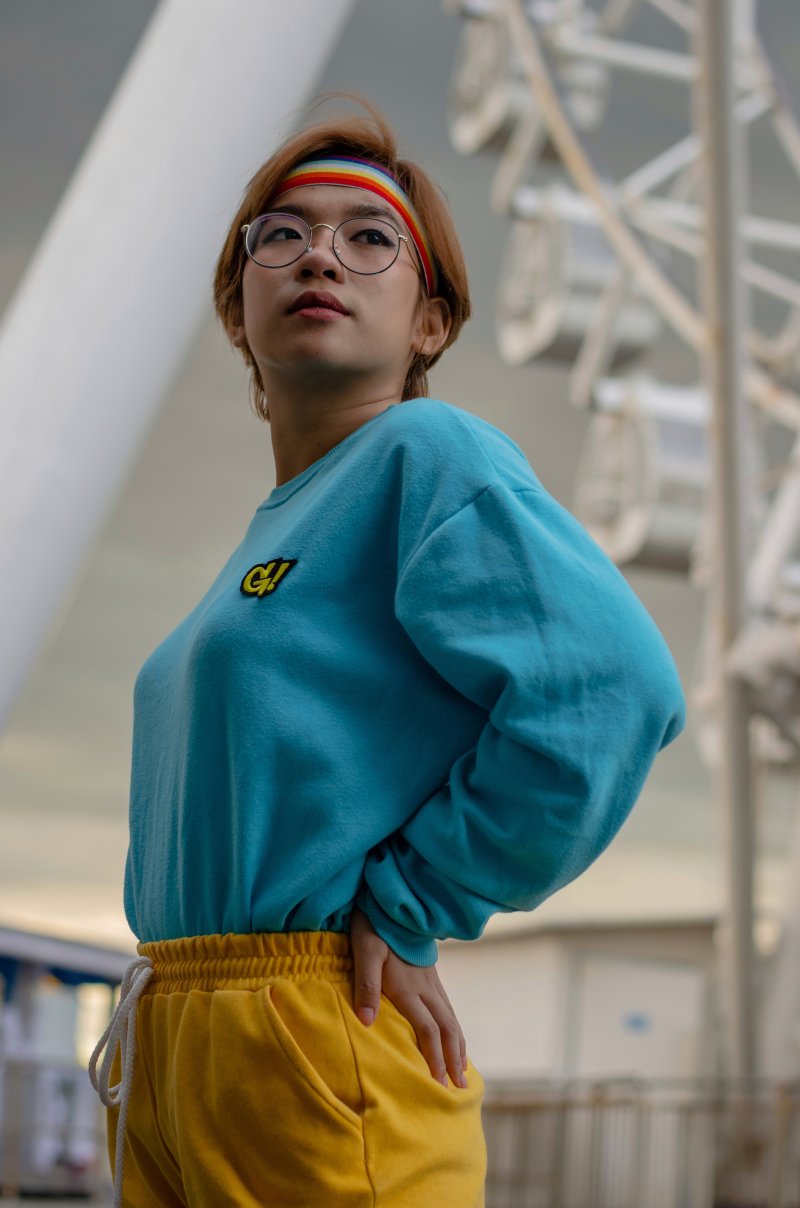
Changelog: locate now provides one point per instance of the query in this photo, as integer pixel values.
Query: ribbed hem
(411, 947)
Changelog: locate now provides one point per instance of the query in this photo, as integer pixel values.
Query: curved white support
(643, 472)
(554, 272)
(102, 319)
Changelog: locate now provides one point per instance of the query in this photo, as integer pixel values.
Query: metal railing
(636, 1144)
(52, 1131)
(551, 1144)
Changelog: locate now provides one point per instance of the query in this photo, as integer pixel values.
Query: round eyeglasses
(363, 245)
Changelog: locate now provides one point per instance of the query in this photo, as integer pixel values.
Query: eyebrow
(362, 210)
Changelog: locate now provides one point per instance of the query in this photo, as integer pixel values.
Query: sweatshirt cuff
(411, 947)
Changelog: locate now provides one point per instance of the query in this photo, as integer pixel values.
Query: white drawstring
(121, 1031)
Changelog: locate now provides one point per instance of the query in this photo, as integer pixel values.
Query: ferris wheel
(588, 278)
(594, 276)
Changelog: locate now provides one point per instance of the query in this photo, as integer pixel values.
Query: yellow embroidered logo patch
(262, 579)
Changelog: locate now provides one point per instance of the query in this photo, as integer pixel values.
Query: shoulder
(443, 459)
(442, 436)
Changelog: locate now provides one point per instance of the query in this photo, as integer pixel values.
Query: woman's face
(388, 317)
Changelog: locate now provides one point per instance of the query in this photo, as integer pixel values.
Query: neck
(307, 422)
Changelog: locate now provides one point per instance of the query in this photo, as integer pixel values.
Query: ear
(237, 336)
(433, 326)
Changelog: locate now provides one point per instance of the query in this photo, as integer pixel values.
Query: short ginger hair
(370, 138)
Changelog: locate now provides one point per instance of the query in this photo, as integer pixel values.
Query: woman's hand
(415, 991)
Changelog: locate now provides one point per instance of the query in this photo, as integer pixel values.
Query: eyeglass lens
(364, 245)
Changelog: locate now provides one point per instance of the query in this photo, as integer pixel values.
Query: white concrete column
(101, 321)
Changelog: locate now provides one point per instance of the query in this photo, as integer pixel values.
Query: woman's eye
(374, 236)
(277, 234)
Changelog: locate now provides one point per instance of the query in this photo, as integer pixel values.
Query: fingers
(439, 1038)
(461, 1038)
(369, 957)
(417, 993)
(367, 996)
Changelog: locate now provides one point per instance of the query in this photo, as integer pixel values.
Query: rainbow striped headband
(363, 174)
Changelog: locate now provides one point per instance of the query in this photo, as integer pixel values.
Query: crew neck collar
(280, 494)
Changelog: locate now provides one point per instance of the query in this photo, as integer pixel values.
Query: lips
(311, 300)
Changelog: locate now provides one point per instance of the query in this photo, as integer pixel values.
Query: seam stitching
(490, 486)
(363, 1097)
(441, 524)
(333, 1103)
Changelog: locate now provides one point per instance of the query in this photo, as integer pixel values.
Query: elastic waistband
(208, 962)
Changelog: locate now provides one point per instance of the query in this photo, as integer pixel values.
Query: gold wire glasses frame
(277, 213)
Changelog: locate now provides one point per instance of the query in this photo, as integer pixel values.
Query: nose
(319, 256)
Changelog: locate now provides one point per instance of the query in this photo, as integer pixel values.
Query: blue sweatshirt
(417, 685)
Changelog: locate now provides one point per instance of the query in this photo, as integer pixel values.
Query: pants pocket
(306, 1022)
(425, 1141)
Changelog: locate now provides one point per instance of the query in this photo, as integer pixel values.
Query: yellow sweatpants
(256, 1086)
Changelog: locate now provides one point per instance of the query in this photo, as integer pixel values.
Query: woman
(416, 694)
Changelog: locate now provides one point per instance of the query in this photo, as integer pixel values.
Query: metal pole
(724, 308)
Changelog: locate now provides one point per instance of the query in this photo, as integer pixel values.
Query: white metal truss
(671, 476)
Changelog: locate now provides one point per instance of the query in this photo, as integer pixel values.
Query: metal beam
(722, 180)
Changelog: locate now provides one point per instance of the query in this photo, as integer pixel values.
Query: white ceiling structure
(205, 463)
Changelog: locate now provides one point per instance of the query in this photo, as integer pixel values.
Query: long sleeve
(517, 608)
